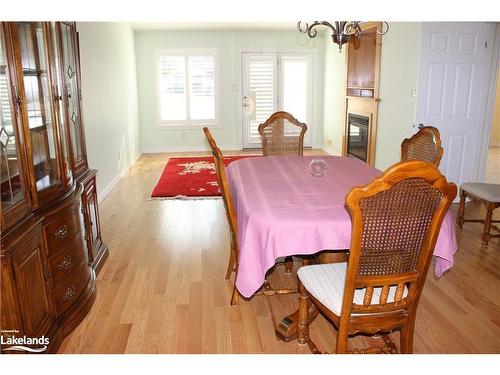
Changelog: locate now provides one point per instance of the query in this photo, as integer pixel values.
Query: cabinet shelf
(33, 72)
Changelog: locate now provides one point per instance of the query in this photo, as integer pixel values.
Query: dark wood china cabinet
(51, 246)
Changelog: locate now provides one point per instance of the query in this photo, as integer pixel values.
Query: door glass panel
(93, 219)
(295, 87)
(59, 103)
(38, 103)
(10, 179)
(70, 78)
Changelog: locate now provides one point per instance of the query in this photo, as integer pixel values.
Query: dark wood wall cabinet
(51, 245)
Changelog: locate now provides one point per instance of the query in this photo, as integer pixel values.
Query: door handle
(420, 126)
(245, 104)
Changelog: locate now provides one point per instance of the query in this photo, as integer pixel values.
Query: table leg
(288, 265)
(288, 327)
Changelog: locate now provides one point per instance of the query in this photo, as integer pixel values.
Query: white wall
(400, 58)
(230, 43)
(334, 99)
(109, 94)
(495, 126)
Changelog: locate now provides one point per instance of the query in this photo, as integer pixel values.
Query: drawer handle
(65, 264)
(70, 293)
(61, 232)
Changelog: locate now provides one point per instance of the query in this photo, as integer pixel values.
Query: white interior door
(272, 82)
(454, 68)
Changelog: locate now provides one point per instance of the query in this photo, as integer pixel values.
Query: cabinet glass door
(58, 89)
(70, 69)
(41, 123)
(11, 180)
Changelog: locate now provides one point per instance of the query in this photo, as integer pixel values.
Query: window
(188, 87)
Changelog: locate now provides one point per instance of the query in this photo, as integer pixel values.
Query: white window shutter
(262, 79)
(172, 88)
(202, 87)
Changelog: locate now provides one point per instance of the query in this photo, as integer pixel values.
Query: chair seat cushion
(488, 192)
(326, 283)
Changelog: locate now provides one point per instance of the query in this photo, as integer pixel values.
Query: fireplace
(357, 136)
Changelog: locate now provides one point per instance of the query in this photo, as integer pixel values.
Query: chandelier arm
(311, 29)
(386, 28)
(299, 27)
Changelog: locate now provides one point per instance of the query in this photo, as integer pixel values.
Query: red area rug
(190, 178)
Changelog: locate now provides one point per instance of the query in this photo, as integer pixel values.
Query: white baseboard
(185, 149)
(105, 192)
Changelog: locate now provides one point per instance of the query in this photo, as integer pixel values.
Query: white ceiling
(278, 25)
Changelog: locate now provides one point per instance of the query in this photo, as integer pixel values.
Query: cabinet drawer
(62, 228)
(64, 262)
(68, 290)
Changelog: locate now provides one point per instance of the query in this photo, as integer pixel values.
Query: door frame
(239, 79)
(490, 102)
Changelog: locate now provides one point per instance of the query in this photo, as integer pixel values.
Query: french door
(453, 78)
(275, 82)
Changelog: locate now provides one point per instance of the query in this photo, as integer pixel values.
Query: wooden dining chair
(396, 220)
(425, 145)
(229, 208)
(282, 135)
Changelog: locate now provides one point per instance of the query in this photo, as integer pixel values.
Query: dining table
(283, 209)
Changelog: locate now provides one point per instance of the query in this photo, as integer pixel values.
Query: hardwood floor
(162, 290)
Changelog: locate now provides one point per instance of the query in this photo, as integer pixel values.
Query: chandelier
(341, 32)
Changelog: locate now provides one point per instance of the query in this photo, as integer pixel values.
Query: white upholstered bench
(489, 194)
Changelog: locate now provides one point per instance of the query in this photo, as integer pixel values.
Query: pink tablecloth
(283, 210)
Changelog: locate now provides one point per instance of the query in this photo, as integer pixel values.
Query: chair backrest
(425, 145)
(223, 185)
(395, 223)
(282, 135)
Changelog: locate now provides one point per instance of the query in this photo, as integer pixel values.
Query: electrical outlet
(329, 142)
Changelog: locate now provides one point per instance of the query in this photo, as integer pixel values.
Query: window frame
(189, 123)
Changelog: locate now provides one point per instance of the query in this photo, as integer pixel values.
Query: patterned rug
(193, 177)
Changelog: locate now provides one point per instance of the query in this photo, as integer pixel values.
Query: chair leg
(487, 224)
(342, 336)
(303, 323)
(232, 261)
(406, 340)
(461, 209)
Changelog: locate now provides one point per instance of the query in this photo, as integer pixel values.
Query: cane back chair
(395, 223)
(282, 135)
(425, 145)
(229, 208)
